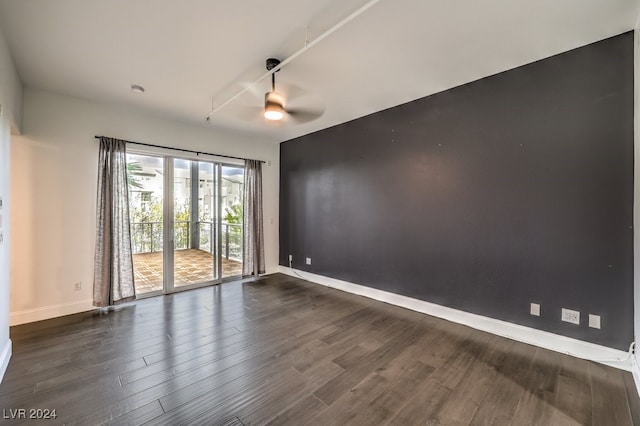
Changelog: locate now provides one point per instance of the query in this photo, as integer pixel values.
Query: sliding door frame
(169, 286)
(169, 231)
(168, 211)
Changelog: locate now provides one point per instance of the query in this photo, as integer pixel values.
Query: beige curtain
(253, 230)
(113, 273)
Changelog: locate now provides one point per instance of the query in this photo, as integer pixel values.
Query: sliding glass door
(146, 215)
(195, 206)
(231, 190)
(186, 222)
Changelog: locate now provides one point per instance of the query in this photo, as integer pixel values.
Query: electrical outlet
(535, 309)
(77, 286)
(308, 261)
(571, 316)
(594, 321)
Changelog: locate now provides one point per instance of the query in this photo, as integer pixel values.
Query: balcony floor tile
(191, 266)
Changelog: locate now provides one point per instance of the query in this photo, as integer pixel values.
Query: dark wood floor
(284, 351)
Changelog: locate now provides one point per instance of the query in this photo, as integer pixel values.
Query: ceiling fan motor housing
(273, 106)
(273, 98)
(272, 63)
(273, 101)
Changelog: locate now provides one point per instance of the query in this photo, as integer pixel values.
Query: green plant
(233, 213)
(134, 170)
(146, 213)
(233, 234)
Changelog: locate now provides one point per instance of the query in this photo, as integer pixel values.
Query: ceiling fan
(282, 105)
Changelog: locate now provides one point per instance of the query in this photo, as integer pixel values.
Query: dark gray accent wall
(513, 189)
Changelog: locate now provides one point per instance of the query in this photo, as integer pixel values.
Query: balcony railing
(231, 239)
(147, 237)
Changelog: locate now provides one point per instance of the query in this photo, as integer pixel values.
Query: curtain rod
(184, 150)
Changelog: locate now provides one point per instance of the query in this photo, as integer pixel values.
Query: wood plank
(461, 406)
(572, 400)
(501, 400)
(423, 404)
(139, 415)
(377, 397)
(330, 392)
(284, 351)
(536, 405)
(609, 397)
(281, 399)
(211, 407)
(302, 409)
(632, 397)
(301, 413)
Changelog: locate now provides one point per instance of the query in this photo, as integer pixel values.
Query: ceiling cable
(308, 45)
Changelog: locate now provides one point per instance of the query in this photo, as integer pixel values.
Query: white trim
(48, 312)
(54, 311)
(273, 270)
(532, 336)
(635, 370)
(636, 196)
(4, 358)
(132, 148)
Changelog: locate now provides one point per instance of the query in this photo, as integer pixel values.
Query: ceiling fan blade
(304, 115)
(255, 90)
(247, 113)
(291, 92)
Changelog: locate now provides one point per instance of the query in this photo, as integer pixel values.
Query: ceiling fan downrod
(271, 64)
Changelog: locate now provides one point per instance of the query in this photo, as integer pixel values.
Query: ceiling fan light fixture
(273, 109)
(273, 113)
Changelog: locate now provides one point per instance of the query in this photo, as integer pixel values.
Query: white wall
(636, 202)
(54, 172)
(11, 101)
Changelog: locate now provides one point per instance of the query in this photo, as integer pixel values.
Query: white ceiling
(185, 53)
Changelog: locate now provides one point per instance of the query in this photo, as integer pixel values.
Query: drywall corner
(636, 198)
(10, 123)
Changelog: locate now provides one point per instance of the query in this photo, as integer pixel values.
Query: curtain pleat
(253, 229)
(113, 273)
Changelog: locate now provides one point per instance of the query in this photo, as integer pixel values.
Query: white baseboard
(555, 342)
(48, 312)
(5, 356)
(54, 311)
(272, 270)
